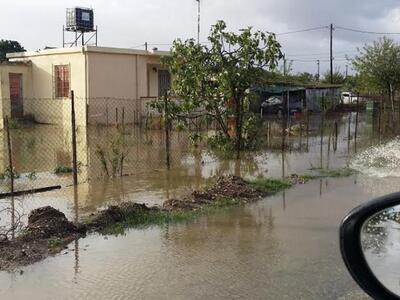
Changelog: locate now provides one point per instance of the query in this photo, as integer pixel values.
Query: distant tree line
(8, 46)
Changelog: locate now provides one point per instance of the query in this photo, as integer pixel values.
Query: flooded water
(282, 247)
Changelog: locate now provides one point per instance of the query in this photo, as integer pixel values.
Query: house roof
(109, 50)
(277, 88)
(14, 63)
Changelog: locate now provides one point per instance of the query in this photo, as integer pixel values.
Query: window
(61, 76)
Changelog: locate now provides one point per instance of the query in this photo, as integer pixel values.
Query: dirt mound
(46, 222)
(114, 214)
(16, 253)
(225, 187)
(230, 187)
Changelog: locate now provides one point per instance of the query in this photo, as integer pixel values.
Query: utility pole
(347, 69)
(284, 65)
(198, 22)
(331, 53)
(317, 69)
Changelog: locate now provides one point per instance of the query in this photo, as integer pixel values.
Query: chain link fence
(115, 137)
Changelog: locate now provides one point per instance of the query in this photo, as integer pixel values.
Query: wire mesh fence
(119, 137)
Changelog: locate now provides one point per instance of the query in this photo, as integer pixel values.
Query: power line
(365, 31)
(303, 30)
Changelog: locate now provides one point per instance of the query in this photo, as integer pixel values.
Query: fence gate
(16, 95)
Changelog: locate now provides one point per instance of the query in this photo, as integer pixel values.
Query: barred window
(62, 78)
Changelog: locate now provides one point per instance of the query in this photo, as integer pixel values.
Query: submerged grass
(270, 185)
(147, 218)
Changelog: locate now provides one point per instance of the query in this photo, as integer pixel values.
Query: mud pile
(48, 222)
(225, 187)
(114, 214)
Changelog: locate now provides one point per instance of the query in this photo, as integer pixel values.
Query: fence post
(74, 160)
(166, 125)
(123, 117)
(10, 162)
(322, 139)
(107, 115)
(336, 136)
(356, 126)
(348, 135)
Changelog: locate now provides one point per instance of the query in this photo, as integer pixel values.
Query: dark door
(16, 95)
(164, 82)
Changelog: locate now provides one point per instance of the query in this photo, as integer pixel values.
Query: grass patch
(144, 219)
(62, 170)
(270, 185)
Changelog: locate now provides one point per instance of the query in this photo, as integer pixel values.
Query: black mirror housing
(351, 249)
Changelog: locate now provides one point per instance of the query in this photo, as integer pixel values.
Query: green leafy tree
(378, 65)
(337, 77)
(8, 46)
(215, 80)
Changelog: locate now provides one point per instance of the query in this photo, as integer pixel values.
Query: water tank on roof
(80, 19)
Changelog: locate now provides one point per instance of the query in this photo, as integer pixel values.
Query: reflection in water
(380, 241)
(284, 246)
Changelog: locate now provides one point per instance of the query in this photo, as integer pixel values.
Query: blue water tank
(80, 19)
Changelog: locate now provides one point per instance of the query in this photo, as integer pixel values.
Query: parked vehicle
(348, 98)
(275, 105)
(272, 105)
(370, 246)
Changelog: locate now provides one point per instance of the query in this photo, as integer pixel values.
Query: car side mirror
(370, 246)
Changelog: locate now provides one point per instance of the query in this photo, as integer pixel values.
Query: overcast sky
(129, 23)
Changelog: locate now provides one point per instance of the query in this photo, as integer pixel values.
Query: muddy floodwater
(281, 247)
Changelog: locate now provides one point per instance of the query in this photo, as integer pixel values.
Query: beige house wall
(103, 79)
(5, 70)
(120, 82)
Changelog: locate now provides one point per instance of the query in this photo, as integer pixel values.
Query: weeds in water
(270, 185)
(113, 154)
(62, 170)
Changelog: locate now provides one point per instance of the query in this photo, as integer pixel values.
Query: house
(105, 81)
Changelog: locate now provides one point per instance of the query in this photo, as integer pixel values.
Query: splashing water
(380, 160)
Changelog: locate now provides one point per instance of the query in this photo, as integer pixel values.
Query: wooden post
(284, 120)
(322, 140)
(308, 129)
(356, 126)
(167, 125)
(73, 128)
(379, 122)
(348, 135)
(10, 161)
(329, 149)
(301, 133)
(107, 115)
(336, 136)
(116, 116)
(123, 117)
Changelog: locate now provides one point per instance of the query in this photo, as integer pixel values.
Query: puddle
(283, 247)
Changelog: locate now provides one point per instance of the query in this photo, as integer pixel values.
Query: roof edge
(108, 50)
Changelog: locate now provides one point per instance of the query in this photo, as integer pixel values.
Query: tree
(8, 46)
(216, 80)
(304, 77)
(378, 66)
(337, 77)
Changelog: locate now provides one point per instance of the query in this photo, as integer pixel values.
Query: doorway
(16, 96)
(164, 82)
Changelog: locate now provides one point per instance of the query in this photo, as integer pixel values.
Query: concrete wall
(103, 79)
(120, 81)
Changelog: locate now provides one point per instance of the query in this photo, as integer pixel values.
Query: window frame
(64, 83)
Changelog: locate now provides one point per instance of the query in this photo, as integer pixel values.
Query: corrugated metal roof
(278, 89)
